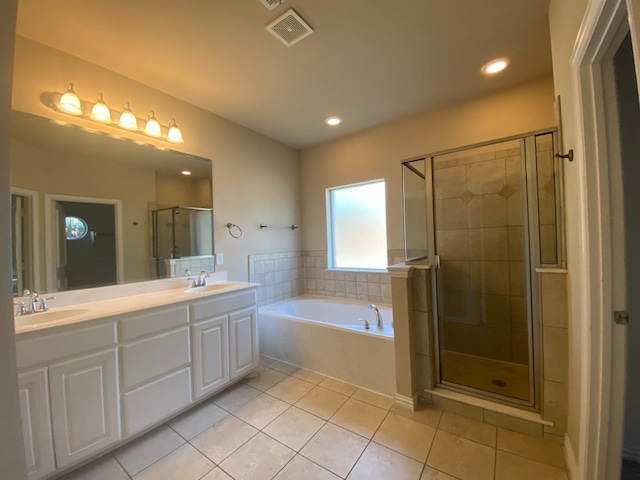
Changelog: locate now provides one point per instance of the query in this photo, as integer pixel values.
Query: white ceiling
(369, 61)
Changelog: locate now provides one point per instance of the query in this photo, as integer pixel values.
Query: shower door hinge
(621, 317)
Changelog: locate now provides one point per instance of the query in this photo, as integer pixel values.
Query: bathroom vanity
(95, 374)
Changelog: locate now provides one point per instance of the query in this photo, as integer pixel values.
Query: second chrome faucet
(378, 315)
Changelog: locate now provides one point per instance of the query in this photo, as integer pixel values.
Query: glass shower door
(484, 331)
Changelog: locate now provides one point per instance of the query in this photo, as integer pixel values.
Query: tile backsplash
(286, 275)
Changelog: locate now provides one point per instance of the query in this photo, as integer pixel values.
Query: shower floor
(495, 376)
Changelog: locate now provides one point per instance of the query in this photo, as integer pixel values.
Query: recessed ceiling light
(186, 172)
(333, 121)
(495, 66)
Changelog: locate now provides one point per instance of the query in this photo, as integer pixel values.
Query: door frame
(34, 240)
(602, 282)
(50, 222)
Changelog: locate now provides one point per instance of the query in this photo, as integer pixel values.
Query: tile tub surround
(359, 435)
(177, 266)
(280, 275)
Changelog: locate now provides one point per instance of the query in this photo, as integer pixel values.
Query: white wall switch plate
(219, 258)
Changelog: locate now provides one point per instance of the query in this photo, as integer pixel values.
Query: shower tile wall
(480, 240)
(279, 274)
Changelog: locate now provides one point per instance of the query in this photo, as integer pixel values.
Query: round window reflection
(76, 228)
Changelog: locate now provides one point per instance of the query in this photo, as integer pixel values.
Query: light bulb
(128, 120)
(100, 112)
(152, 127)
(495, 66)
(69, 102)
(333, 121)
(174, 135)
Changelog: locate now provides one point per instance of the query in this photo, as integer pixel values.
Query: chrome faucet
(201, 281)
(378, 316)
(36, 303)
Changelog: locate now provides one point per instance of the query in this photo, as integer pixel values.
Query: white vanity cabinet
(243, 341)
(36, 422)
(210, 355)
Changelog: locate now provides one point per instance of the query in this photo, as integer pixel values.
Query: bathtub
(324, 334)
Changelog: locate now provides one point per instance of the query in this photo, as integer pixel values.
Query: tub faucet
(378, 316)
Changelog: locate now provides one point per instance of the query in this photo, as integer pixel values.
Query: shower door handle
(437, 261)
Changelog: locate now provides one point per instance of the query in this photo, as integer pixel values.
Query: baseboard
(570, 458)
(632, 453)
(406, 402)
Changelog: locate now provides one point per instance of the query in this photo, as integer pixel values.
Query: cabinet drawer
(155, 401)
(152, 357)
(50, 347)
(216, 306)
(136, 326)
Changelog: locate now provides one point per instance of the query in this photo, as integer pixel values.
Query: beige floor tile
(509, 466)
(380, 463)
(216, 474)
(151, 447)
(359, 417)
(224, 438)
(531, 448)
(290, 389)
(283, 367)
(308, 375)
(235, 397)
(104, 468)
(432, 474)
(294, 428)
(467, 428)
(266, 361)
(335, 449)
(338, 386)
(462, 458)
(302, 469)
(185, 463)
(322, 402)
(261, 458)
(405, 436)
(373, 398)
(197, 420)
(261, 411)
(267, 379)
(427, 414)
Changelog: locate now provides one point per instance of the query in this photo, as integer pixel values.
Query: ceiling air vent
(271, 4)
(290, 28)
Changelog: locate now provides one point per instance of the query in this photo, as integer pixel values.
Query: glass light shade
(100, 112)
(152, 127)
(128, 120)
(69, 102)
(174, 135)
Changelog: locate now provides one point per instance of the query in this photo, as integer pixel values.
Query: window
(357, 227)
(76, 228)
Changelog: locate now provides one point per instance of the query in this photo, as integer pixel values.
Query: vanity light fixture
(495, 66)
(333, 121)
(100, 112)
(69, 102)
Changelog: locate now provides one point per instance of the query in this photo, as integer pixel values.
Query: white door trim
(49, 222)
(602, 342)
(34, 241)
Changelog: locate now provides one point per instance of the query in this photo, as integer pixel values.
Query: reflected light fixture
(333, 121)
(152, 127)
(128, 120)
(100, 112)
(186, 172)
(174, 135)
(495, 66)
(70, 103)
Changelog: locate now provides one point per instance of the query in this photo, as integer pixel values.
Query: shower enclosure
(486, 217)
(180, 232)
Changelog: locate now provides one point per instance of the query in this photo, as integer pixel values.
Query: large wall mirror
(82, 204)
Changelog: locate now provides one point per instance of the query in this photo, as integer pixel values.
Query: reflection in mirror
(21, 244)
(414, 189)
(68, 166)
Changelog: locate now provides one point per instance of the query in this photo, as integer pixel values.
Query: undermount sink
(50, 316)
(209, 288)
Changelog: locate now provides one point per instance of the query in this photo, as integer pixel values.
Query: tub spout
(378, 316)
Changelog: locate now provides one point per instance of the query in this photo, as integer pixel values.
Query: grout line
(121, 466)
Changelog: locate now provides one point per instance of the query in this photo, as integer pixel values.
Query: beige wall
(255, 179)
(12, 457)
(565, 17)
(378, 152)
(184, 192)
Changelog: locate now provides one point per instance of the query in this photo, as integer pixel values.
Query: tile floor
(293, 424)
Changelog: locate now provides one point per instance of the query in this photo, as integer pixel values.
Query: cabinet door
(211, 364)
(243, 341)
(84, 402)
(36, 423)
